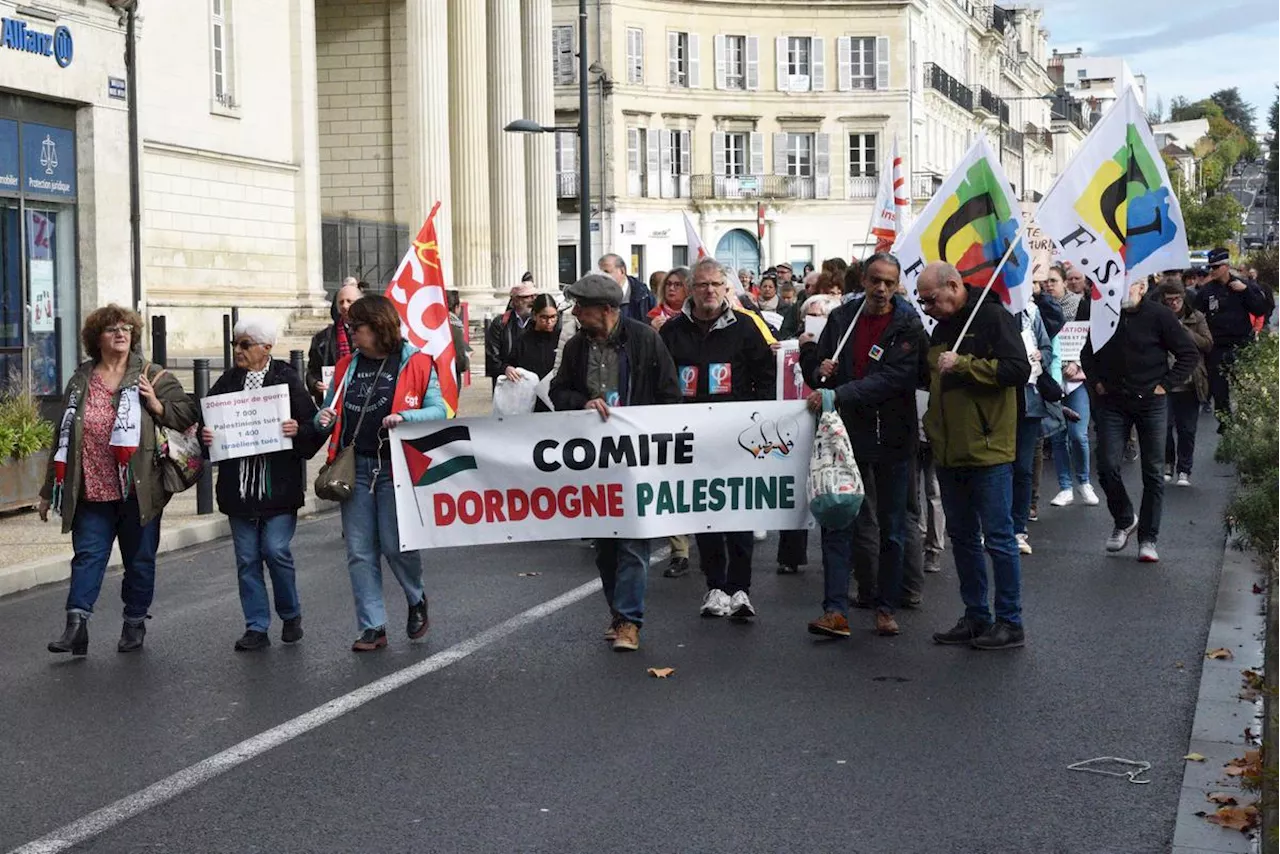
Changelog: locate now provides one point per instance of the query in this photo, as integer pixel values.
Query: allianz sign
(16, 35)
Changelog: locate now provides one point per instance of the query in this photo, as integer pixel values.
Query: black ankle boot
(131, 637)
(75, 638)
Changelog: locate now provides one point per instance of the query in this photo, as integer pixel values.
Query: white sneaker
(760, 536)
(1120, 537)
(1147, 553)
(715, 604)
(1024, 547)
(1090, 497)
(740, 606)
(1064, 498)
(1184, 479)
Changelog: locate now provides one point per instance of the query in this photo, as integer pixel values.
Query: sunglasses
(246, 344)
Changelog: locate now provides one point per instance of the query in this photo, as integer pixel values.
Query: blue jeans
(97, 525)
(624, 569)
(370, 527)
(1023, 472)
(259, 541)
(1071, 446)
(977, 502)
(887, 483)
(1115, 416)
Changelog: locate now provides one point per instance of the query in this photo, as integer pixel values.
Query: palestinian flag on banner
(439, 455)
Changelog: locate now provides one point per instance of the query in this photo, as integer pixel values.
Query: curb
(34, 573)
(1222, 716)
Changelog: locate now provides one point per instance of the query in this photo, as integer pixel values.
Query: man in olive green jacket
(975, 390)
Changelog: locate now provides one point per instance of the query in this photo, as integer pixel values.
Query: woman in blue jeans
(384, 382)
(1071, 446)
(261, 494)
(104, 476)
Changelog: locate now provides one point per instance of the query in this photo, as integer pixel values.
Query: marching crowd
(949, 430)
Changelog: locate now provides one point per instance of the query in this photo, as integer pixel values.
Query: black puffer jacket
(285, 472)
(879, 410)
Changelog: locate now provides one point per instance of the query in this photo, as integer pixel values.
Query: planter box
(20, 481)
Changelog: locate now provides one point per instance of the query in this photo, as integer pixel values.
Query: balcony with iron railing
(992, 104)
(924, 185)
(1067, 109)
(732, 187)
(566, 185)
(1014, 140)
(861, 186)
(1037, 135)
(949, 87)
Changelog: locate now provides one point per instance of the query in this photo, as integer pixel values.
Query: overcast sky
(1185, 48)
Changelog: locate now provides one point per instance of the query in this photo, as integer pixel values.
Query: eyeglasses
(923, 300)
(705, 286)
(550, 318)
(246, 344)
(119, 329)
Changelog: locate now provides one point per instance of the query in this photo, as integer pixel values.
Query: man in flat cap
(505, 330)
(612, 362)
(1227, 301)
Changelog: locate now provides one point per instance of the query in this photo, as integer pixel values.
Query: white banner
(1071, 340)
(648, 471)
(247, 423)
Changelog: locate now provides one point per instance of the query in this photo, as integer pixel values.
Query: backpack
(835, 484)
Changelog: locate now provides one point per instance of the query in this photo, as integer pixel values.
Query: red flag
(417, 289)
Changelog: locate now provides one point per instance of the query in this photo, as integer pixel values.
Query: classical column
(506, 150)
(469, 149)
(426, 38)
(540, 148)
(305, 106)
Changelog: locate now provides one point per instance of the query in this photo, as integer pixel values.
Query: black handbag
(337, 479)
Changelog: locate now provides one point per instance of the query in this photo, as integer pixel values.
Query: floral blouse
(101, 472)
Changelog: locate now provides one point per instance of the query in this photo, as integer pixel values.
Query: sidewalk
(34, 553)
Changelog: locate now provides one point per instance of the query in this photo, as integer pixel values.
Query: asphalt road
(1258, 210)
(765, 739)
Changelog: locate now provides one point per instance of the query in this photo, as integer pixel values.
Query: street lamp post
(584, 155)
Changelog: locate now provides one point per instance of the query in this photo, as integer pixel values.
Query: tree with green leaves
(1235, 109)
(1213, 222)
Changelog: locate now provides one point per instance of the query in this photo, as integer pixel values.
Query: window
(800, 155)
(221, 55)
(863, 62)
(1081, 74)
(735, 62)
(566, 165)
(680, 159)
(635, 55)
(638, 140)
(564, 68)
(682, 60)
(862, 155)
(800, 64)
(735, 154)
(680, 255)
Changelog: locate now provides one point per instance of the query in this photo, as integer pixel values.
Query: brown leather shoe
(628, 637)
(886, 624)
(611, 633)
(832, 624)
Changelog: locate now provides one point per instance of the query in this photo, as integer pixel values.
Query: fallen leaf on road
(1253, 679)
(1220, 653)
(1249, 765)
(1223, 798)
(1194, 757)
(1235, 818)
(661, 672)
(528, 574)
(1179, 665)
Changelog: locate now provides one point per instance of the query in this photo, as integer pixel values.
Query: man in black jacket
(505, 330)
(614, 362)
(1227, 301)
(1130, 377)
(722, 354)
(871, 376)
(333, 342)
(637, 299)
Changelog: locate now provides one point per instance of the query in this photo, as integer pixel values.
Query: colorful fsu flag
(970, 223)
(1113, 213)
(889, 216)
(696, 250)
(417, 289)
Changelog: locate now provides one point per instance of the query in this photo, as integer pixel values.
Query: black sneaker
(677, 567)
(788, 569)
(252, 640)
(370, 639)
(418, 622)
(963, 632)
(292, 631)
(1001, 635)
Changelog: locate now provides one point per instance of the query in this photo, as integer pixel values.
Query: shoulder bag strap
(368, 395)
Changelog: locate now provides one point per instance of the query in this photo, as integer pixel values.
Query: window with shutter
(675, 59)
(780, 62)
(735, 154)
(862, 63)
(718, 46)
(719, 153)
(663, 165)
(862, 155)
(822, 165)
(798, 154)
(692, 66)
(882, 62)
(756, 146)
(653, 163)
(562, 52)
(818, 64)
(844, 60)
(799, 63)
(753, 63)
(684, 162)
(735, 65)
(635, 55)
(221, 54)
(780, 153)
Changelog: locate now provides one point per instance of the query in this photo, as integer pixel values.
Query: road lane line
(102, 820)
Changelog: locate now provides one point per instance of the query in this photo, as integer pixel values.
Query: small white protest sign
(247, 423)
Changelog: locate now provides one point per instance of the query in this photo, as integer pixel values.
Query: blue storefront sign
(8, 156)
(17, 34)
(48, 161)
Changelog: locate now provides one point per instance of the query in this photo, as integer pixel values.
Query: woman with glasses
(536, 349)
(671, 297)
(104, 477)
(383, 383)
(1185, 400)
(1071, 446)
(260, 495)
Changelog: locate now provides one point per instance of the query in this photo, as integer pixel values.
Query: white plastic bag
(835, 485)
(516, 398)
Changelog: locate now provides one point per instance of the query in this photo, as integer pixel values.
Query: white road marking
(102, 820)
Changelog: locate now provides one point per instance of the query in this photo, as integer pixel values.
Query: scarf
(344, 339)
(126, 433)
(255, 472)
